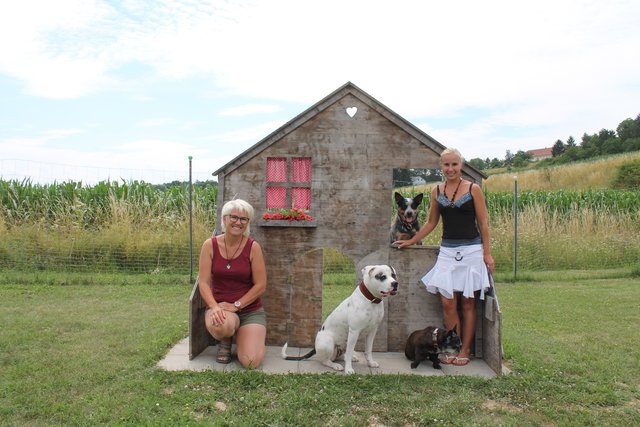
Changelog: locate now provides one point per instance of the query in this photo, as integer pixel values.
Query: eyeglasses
(236, 218)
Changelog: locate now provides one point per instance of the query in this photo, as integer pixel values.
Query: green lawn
(79, 349)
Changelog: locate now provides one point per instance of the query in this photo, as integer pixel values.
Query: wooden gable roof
(347, 89)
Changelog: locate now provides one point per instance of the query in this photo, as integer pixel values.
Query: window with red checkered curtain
(289, 182)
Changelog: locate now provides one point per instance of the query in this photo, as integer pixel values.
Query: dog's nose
(395, 286)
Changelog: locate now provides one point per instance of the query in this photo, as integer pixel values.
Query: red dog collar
(368, 294)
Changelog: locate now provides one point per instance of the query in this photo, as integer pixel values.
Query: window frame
(289, 185)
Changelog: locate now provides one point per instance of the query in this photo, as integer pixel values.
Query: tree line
(624, 139)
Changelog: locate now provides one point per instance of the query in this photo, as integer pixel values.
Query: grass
(82, 349)
(584, 239)
(596, 173)
(337, 287)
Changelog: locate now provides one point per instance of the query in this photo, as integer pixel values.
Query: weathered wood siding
(352, 183)
(352, 170)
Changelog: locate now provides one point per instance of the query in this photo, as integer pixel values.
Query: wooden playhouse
(337, 159)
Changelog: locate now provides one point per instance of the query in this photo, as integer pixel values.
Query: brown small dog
(427, 343)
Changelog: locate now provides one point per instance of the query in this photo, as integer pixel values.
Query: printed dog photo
(406, 223)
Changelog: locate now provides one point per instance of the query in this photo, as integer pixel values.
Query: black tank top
(459, 217)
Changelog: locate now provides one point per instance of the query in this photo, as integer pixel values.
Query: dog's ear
(417, 200)
(393, 272)
(366, 270)
(399, 197)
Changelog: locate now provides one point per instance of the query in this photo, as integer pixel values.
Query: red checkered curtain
(301, 169)
(276, 169)
(276, 197)
(301, 198)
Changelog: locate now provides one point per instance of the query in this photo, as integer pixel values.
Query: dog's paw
(373, 364)
(349, 371)
(436, 366)
(334, 366)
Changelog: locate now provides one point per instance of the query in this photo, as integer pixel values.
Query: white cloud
(157, 121)
(249, 109)
(422, 57)
(155, 161)
(541, 70)
(45, 49)
(62, 133)
(248, 136)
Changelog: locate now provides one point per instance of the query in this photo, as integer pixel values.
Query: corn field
(134, 226)
(130, 226)
(612, 202)
(558, 229)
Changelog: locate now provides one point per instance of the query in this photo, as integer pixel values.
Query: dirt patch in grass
(494, 405)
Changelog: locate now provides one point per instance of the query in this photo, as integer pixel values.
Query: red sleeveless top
(230, 284)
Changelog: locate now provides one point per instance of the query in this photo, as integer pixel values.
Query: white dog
(361, 312)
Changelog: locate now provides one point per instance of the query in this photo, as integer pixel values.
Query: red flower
(293, 214)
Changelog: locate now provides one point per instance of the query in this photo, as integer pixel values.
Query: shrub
(627, 176)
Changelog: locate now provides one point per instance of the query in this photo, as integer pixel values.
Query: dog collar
(434, 338)
(368, 294)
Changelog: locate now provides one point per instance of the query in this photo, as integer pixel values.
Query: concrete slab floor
(177, 359)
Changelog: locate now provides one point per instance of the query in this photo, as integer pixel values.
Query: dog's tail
(306, 356)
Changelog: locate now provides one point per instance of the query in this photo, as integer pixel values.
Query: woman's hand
(218, 314)
(399, 244)
(488, 260)
(227, 306)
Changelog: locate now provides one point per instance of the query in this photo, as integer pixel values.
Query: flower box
(293, 217)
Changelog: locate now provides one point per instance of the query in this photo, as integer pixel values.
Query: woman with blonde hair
(460, 271)
(232, 278)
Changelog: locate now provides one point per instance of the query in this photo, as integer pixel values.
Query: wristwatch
(237, 304)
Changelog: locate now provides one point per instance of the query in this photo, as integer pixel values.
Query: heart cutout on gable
(351, 111)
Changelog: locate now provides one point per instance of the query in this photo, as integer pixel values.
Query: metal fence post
(190, 224)
(515, 227)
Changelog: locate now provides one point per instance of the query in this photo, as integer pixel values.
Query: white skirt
(459, 269)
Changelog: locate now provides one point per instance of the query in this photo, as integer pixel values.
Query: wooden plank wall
(352, 184)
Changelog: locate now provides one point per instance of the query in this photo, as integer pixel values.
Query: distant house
(417, 180)
(541, 153)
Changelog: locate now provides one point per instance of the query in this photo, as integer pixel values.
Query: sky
(97, 89)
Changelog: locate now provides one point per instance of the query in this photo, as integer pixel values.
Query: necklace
(226, 249)
(452, 204)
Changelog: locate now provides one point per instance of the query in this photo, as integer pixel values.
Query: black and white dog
(427, 343)
(361, 312)
(406, 223)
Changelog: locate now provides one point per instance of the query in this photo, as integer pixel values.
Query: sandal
(460, 361)
(447, 359)
(224, 352)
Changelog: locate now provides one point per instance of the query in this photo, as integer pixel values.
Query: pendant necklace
(226, 249)
(452, 203)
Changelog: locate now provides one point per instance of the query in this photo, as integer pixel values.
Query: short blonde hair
(452, 151)
(237, 205)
